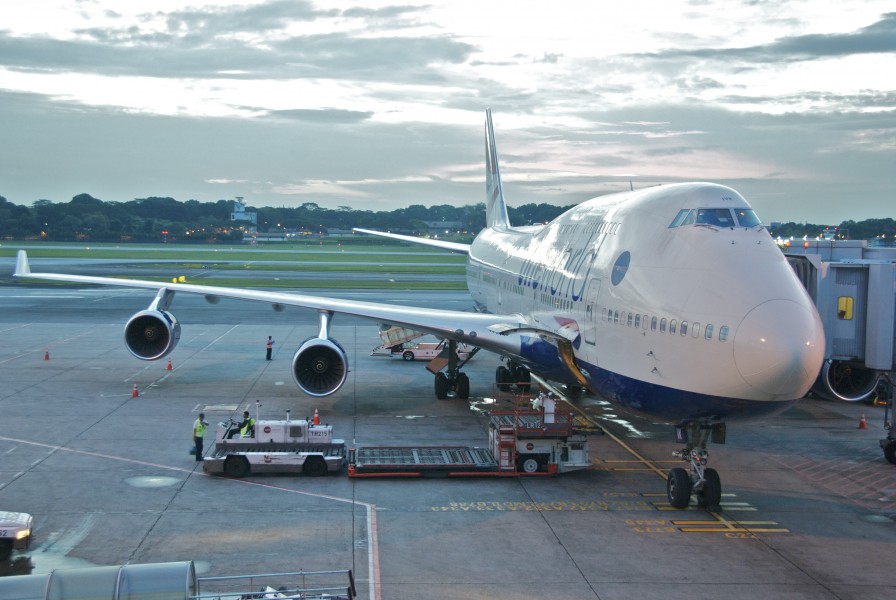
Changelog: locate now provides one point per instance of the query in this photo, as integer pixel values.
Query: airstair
(395, 336)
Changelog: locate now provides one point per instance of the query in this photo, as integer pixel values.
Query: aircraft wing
(489, 330)
(450, 246)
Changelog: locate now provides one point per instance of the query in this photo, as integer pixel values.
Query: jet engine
(320, 366)
(842, 380)
(151, 334)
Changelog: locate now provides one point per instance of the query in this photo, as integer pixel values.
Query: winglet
(495, 209)
(22, 268)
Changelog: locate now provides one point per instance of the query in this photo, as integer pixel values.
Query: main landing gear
(699, 480)
(513, 374)
(452, 380)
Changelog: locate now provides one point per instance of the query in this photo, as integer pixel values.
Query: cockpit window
(684, 217)
(717, 217)
(747, 218)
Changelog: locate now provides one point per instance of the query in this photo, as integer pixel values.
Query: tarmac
(808, 507)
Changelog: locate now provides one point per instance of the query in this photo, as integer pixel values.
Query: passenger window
(672, 325)
(637, 321)
(644, 322)
(695, 330)
(628, 321)
(663, 325)
(684, 328)
(723, 333)
(707, 333)
(616, 316)
(653, 324)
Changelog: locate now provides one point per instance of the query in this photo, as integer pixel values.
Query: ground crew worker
(269, 346)
(246, 427)
(198, 433)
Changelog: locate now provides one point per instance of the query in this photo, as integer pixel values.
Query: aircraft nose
(779, 348)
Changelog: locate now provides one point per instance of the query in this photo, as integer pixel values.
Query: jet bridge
(854, 289)
(155, 581)
(176, 581)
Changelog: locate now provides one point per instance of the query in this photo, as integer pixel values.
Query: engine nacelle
(319, 367)
(841, 380)
(151, 334)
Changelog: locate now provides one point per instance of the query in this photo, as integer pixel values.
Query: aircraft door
(591, 307)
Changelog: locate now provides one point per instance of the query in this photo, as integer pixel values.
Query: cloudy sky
(376, 105)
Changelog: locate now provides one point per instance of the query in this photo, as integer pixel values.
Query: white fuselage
(675, 317)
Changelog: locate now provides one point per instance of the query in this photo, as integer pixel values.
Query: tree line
(156, 219)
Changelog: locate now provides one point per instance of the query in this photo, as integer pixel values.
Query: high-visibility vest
(245, 430)
(199, 428)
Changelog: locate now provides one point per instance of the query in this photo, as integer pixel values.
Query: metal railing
(301, 585)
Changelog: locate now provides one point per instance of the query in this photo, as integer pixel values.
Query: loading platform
(521, 442)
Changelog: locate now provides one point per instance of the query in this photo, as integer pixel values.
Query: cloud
(322, 115)
(249, 42)
(880, 37)
(284, 101)
(211, 21)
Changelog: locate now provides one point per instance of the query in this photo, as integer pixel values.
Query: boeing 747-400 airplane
(671, 301)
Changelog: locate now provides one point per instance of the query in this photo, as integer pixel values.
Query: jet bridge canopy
(153, 581)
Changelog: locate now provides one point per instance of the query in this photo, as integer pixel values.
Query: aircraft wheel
(711, 495)
(890, 452)
(408, 355)
(236, 466)
(503, 378)
(463, 386)
(678, 488)
(5, 549)
(528, 464)
(441, 386)
(314, 466)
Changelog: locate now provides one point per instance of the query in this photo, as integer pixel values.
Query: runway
(808, 500)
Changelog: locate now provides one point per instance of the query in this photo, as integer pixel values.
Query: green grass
(331, 252)
(353, 283)
(189, 261)
(309, 267)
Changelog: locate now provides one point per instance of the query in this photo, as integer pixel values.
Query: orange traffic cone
(863, 424)
(47, 355)
(168, 368)
(316, 419)
(135, 393)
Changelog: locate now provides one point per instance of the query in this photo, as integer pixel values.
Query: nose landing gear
(699, 480)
